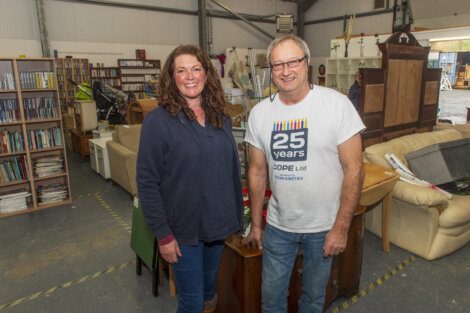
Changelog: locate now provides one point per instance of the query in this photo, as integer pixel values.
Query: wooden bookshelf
(106, 75)
(74, 69)
(135, 73)
(37, 132)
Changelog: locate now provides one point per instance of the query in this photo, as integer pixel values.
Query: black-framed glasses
(290, 64)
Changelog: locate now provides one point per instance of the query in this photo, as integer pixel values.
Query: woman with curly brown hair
(188, 175)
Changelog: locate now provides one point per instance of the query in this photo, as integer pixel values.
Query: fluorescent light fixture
(449, 38)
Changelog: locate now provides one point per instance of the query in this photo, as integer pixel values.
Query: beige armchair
(422, 220)
(122, 152)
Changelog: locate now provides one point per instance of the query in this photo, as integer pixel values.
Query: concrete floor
(77, 258)
(453, 104)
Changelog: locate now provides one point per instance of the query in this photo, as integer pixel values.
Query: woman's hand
(170, 252)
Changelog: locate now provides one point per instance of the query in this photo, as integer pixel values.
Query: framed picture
(140, 54)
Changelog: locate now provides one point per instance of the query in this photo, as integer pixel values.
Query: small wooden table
(377, 186)
(239, 279)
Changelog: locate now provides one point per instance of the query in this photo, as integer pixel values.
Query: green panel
(142, 238)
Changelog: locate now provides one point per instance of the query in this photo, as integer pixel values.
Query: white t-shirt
(300, 142)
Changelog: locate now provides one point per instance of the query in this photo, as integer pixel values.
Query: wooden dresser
(239, 280)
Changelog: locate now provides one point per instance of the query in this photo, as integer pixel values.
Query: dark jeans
(279, 254)
(196, 275)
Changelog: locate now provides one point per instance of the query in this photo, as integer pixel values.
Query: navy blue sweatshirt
(169, 179)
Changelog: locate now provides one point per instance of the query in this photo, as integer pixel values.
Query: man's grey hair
(297, 40)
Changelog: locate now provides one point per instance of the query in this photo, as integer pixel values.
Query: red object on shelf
(267, 195)
(140, 54)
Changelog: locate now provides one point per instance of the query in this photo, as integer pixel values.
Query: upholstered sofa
(422, 220)
(122, 153)
(464, 129)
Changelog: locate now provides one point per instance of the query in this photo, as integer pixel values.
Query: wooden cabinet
(32, 159)
(239, 280)
(138, 109)
(135, 73)
(346, 268)
(79, 142)
(401, 97)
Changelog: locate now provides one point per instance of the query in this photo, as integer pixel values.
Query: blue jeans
(196, 275)
(279, 254)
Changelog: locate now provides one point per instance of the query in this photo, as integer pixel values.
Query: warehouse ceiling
(424, 9)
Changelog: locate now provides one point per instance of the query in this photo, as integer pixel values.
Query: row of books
(44, 138)
(11, 141)
(7, 82)
(13, 169)
(14, 200)
(52, 193)
(104, 72)
(9, 111)
(148, 71)
(40, 107)
(48, 165)
(133, 87)
(32, 80)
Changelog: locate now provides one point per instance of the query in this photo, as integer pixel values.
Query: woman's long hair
(213, 101)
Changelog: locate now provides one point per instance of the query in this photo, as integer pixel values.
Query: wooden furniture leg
(138, 265)
(387, 201)
(161, 266)
(171, 281)
(156, 272)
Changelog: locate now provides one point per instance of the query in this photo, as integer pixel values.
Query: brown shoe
(209, 306)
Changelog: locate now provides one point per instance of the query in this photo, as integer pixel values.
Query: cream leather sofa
(422, 220)
(122, 153)
(464, 129)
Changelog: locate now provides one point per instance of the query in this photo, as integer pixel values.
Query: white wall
(318, 36)
(105, 33)
(444, 21)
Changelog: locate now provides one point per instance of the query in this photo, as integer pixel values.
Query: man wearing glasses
(307, 138)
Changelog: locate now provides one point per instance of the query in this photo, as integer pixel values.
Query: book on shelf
(44, 138)
(40, 108)
(14, 200)
(13, 169)
(37, 80)
(52, 193)
(48, 165)
(104, 72)
(7, 82)
(9, 111)
(11, 141)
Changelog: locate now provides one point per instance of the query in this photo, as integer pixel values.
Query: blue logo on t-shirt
(289, 140)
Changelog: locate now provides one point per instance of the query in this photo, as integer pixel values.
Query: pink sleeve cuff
(166, 240)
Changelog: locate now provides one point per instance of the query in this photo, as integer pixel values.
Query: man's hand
(335, 242)
(254, 238)
(170, 252)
